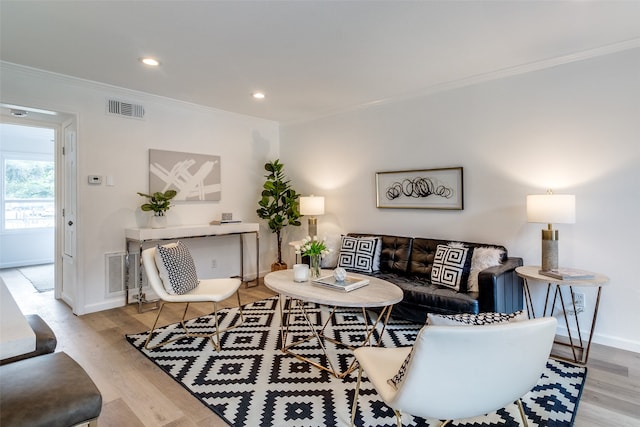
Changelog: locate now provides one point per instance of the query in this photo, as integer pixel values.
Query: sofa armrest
(501, 289)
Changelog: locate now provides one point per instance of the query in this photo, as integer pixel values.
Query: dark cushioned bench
(45, 339)
(47, 390)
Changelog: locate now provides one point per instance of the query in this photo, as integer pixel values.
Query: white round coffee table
(377, 294)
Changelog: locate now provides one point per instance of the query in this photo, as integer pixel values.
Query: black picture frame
(440, 188)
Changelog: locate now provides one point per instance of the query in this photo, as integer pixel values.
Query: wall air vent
(115, 264)
(125, 109)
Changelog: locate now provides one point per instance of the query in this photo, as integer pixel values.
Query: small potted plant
(159, 203)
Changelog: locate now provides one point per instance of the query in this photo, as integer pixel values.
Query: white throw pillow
(331, 259)
(482, 258)
(176, 268)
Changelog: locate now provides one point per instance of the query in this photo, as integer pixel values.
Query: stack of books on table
(568, 274)
(224, 221)
(348, 284)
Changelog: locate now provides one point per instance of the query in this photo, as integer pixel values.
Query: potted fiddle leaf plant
(159, 203)
(278, 205)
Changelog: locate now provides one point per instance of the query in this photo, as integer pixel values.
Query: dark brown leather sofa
(407, 262)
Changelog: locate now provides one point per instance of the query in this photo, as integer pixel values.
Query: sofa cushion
(395, 254)
(475, 319)
(176, 268)
(451, 266)
(360, 254)
(420, 297)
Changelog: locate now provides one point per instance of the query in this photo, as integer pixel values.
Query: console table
(530, 274)
(141, 236)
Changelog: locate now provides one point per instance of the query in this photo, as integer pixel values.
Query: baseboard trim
(603, 339)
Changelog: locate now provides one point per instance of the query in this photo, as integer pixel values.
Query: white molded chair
(459, 372)
(208, 290)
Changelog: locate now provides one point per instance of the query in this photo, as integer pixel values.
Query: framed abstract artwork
(420, 189)
(193, 176)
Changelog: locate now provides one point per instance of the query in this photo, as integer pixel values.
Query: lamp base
(313, 226)
(549, 250)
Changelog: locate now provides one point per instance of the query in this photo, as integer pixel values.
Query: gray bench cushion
(47, 390)
(45, 339)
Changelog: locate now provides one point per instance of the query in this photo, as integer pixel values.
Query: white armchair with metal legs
(458, 372)
(208, 290)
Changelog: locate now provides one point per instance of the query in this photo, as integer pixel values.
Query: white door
(68, 290)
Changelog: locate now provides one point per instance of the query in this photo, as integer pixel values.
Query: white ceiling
(312, 58)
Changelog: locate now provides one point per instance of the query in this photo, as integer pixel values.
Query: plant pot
(278, 266)
(158, 221)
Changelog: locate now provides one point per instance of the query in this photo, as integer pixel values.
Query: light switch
(95, 179)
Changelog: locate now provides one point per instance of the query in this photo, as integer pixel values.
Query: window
(29, 194)
(28, 189)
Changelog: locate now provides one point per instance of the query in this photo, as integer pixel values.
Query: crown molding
(486, 77)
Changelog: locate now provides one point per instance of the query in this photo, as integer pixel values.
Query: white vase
(158, 221)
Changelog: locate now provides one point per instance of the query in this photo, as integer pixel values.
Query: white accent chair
(458, 372)
(208, 290)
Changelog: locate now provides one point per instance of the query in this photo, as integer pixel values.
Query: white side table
(531, 276)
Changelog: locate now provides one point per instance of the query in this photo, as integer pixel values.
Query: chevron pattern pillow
(488, 318)
(176, 268)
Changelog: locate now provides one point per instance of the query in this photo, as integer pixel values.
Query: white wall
(574, 128)
(119, 147)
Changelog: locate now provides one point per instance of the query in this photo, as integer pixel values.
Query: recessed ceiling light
(258, 95)
(19, 113)
(150, 61)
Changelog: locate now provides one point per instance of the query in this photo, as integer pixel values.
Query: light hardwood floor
(136, 393)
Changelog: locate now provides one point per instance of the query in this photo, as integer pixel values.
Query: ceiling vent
(125, 109)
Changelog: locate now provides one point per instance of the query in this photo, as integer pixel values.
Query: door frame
(42, 116)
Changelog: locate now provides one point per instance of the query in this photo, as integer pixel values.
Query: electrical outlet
(578, 299)
(214, 263)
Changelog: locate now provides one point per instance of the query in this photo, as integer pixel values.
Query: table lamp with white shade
(311, 206)
(551, 209)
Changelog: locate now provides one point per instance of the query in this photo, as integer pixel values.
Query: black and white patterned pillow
(488, 318)
(397, 378)
(451, 267)
(361, 254)
(176, 268)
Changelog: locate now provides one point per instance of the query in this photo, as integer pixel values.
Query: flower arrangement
(312, 246)
(314, 249)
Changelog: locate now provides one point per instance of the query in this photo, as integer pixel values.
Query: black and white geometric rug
(252, 383)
